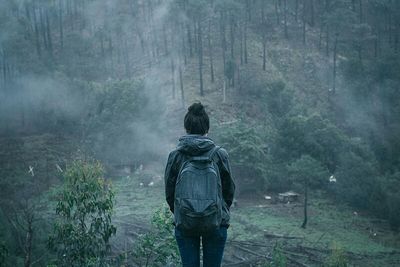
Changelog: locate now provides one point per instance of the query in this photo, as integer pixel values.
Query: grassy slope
(253, 218)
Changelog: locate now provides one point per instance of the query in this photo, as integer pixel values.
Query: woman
(196, 144)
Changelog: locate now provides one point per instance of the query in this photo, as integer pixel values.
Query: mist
(303, 96)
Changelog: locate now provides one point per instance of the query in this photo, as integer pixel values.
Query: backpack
(198, 195)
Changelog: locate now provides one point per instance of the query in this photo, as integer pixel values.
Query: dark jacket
(194, 145)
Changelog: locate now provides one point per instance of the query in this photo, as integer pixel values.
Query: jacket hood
(195, 145)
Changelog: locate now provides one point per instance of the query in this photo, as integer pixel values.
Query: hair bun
(197, 109)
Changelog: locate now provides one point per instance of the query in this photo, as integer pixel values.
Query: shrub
(307, 171)
(83, 229)
(278, 257)
(248, 153)
(3, 253)
(158, 247)
(337, 258)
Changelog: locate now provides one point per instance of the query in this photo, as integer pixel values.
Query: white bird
(31, 171)
(151, 183)
(332, 179)
(141, 184)
(59, 168)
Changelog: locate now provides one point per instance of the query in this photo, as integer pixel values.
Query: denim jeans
(213, 248)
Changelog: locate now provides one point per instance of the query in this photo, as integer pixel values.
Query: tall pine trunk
(210, 51)
(200, 53)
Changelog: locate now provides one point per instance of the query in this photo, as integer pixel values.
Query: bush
(279, 98)
(248, 153)
(3, 254)
(278, 257)
(311, 135)
(337, 258)
(158, 247)
(307, 171)
(357, 180)
(83, 229)
(393, 202)
(122, 115)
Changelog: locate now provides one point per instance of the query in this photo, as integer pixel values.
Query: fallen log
(252, 252)
(272, 235)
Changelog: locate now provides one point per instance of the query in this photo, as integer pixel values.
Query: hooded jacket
(196, 145)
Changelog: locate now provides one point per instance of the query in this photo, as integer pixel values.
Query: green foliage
(230, 69)
(356, 180)
(121, 116)
(309, 171)
(3, 253)
(337, 258)
(390, 186)
(248, 152)
(393, 202)
(311, 135)
(279, 98)
(278, 257)
(83, 228)
(158, 247)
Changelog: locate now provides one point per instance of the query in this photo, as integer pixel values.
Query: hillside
(298, 92)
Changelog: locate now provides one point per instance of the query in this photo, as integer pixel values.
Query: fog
(298, 93)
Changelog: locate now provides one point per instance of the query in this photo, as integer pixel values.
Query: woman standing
(199, 191)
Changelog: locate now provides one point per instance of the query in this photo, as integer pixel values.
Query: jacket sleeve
(228, 184)
(170, 179)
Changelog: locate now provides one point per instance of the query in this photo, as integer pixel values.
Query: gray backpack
(198, 195)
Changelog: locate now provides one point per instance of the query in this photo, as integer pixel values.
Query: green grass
(328, 223)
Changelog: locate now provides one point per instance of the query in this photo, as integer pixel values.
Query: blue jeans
(213, 248)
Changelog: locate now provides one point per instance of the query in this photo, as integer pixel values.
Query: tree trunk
(164, 31)
(28, 242)
(304, 224)
(245, 43)
(248, 9)
(37, 38)
(43, 28)
(183, 41)
(312, 22)
(223, 39)
(304, 24)
(4, 69)
(285, 18)
(210, 52)
(127, 59)
(334, 63)
(327, 41)
(48, 33)
(320, 34)
(232, 35)
(241, 45)
(224, 91)
(200, 53)
(263, 12)
(60, 21)
(173, 77)
(264, 44)
(181, 85)
(189, 36)
(277, 12)
(196, 39)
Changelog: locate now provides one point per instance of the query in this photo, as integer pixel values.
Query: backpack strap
(206, 157)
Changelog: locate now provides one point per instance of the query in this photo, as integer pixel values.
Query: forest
(303, 94)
